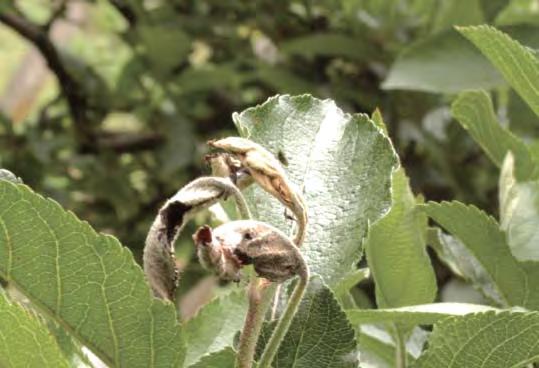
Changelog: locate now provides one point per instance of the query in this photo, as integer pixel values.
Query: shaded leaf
(85, 281)
(514, 281)
(341, 162)
(215, 325)
(424, 314)
(25, 340)
(328, 44)
(474, 111)
(486, 340)
(518, 64)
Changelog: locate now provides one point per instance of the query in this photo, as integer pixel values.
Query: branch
(121, 143)
(70, 87)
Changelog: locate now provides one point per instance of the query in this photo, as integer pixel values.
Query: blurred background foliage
(106, 105)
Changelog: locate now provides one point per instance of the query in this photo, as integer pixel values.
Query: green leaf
(514, 281)
(396, 253)
(518, 64)
(519, 213)
(474, 111)
(351, 280)
(85, 281)
(485, 340)
(215, 325)
(222, 359)
(25, 341)
(328, 44)
(426, 66)
(519, 12)
(424, 314)
(343, 165)
(320, 335)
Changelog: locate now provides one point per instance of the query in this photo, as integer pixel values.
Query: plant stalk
(400, 349)
(286, 319)
(260, 297)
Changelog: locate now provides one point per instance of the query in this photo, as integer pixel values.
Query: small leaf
(518, 64)
(424, 314)
(320, 335)
(224, 358)
(485, 340)
(215, 325)
(514, 281)
(396, 254)
(350, 281)
(25, 341)
(474, 111)
(85, 281)
(341, 162)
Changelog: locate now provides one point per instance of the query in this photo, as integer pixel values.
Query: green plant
(88, 292)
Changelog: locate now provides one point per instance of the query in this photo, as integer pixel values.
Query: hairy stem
(286, 319)
(260, 296)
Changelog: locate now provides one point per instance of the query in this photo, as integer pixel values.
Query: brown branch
(70, 87)
(121, 143)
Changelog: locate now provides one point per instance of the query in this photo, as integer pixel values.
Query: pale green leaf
(514, 281)
(351, 280)
(484, 340)
(215, 325)
(9, 176)
(519, 12)
(423, 314)
(25, 340)
(474, 111)
(396, 253)
(85, 281)
(461, 12)
(463, 263)
(224, 358)
(319, 336)
(519, 213)
(341, 162)
(516, 63)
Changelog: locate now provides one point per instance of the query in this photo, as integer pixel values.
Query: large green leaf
(396, 253)
(485, 340)
(424, 314)
(215, 326)
(85, 281)
(516, 63)
(519, 213)
(514, 281)
(474, 111)
(341, 162)
(224, 358)
(25, 341)
(319, 336)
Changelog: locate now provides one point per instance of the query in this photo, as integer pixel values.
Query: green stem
(400, 349)
(260, 297)
(286, 319)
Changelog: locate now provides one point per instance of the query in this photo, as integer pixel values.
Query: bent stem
(286, 319)
(400, 348)
(260, 296)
